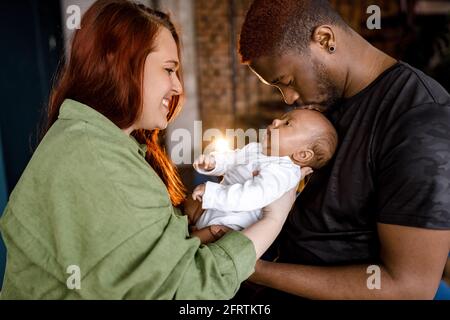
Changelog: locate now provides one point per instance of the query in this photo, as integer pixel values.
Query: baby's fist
(205, 162)
(199, 191)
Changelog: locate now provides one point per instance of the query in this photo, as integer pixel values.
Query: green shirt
(89, 199)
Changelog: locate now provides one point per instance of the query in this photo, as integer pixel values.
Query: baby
(260, 173)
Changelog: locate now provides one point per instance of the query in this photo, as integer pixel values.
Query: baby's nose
(276, 123)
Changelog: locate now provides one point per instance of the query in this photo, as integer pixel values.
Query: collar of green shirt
(74, 110)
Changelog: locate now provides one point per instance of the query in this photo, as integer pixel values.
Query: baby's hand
(199, 191)
(205, 162)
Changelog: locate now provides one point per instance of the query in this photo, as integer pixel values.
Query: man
(385, 198)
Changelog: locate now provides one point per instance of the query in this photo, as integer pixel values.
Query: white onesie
(237, 201)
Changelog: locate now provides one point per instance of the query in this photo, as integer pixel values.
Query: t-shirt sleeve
(413, 169)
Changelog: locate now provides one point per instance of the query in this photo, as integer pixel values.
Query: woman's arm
(264, 232)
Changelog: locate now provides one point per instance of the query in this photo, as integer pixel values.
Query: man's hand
(199, 191)
(205, 162)
(210, 233)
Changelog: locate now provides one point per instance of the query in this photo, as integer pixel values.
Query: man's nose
(290, 95)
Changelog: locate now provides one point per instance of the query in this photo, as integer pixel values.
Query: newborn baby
(260, 173)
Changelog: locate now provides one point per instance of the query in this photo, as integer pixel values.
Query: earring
(332, 49)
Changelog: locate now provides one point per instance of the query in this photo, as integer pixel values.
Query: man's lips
(315, 107)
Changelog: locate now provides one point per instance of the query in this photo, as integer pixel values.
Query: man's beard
(327, 88)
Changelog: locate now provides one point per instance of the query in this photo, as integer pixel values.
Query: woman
(94, 214)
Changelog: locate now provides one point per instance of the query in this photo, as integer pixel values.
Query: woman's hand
(306, 171)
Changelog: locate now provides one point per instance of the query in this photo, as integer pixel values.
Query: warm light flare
(221, 145)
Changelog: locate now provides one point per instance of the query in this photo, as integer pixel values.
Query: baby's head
(304, 135)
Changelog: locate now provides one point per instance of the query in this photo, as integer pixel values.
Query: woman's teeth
(166, 102)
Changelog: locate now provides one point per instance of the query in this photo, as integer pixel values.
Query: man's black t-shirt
(392, 166)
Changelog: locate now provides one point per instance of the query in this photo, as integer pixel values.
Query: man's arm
(412, 263)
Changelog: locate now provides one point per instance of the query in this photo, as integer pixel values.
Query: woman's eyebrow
(175, 62)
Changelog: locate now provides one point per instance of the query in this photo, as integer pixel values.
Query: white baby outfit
(238, 200)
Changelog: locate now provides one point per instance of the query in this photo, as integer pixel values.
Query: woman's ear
(303, 157)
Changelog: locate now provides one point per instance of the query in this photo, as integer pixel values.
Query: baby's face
(291, 132)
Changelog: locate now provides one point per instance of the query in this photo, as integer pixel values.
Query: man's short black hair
(275, 26)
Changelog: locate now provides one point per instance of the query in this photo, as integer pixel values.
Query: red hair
(105, 71)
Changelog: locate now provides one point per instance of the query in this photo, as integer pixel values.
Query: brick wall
(230, 95)
(214, 63)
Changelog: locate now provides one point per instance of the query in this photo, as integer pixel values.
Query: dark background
(31, 46)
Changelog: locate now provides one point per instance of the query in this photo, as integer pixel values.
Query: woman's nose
(176, 86)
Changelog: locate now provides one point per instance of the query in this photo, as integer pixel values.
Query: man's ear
(303, 157)
(324, 37)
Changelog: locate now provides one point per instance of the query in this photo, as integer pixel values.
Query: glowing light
(221, 145)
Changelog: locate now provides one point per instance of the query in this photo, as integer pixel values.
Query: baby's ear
(303, 157)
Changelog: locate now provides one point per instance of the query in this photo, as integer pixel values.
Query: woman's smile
(165, 103)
